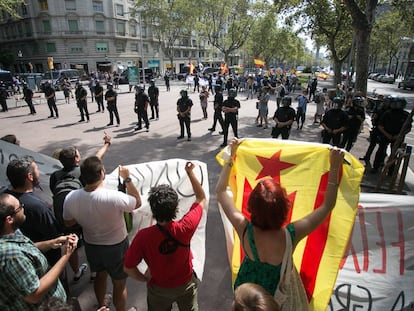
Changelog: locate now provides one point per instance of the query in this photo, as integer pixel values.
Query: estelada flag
(223, 68)
(191, 68)
(302, 169)
(258, 62)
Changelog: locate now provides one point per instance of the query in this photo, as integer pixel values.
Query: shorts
(109, 258)
(159, 298)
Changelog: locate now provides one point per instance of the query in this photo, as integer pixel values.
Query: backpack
(282, 91)
(66, 182)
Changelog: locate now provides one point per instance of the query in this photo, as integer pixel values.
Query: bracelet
(230, 163)
(107, 142)
(127, 180)
(333, 183)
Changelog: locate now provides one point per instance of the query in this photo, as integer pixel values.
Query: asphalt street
(42, 134)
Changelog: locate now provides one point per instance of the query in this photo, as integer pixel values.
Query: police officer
(356, 115)
(284, 117)
(153, 93)
(110, 97)
(99, 94)
(51, 100)
(334, 123)
(81, 101)
(218, 114)
(230, 108)
(389, 127)
(28, 96)
(184, 105)
(141, 105)
(3, 97)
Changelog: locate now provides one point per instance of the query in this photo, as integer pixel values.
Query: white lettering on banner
(377, 270)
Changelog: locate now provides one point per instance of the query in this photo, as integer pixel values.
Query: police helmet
(109, 85)
(232, 92)
(184, 93)
(396, 102)
(358, 101)
(286, 101)
(139, 88)
(152, 81)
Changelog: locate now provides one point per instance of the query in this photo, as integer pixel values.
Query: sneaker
(147, 129)
(109, 124)
(189, 139)
(223, 145)
(47, 117)
(259, 125)
(211, 129)
(221, 133)
(82, 268)
(137, 128)
(98, 110)
(118, 125)
(81, 120)
(180, 137)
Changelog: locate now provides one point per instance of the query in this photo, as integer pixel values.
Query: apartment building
(87, 35)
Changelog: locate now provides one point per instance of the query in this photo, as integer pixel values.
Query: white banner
(378, 270)
(170, 172)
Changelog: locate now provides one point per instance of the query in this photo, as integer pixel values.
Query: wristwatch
(127, 180)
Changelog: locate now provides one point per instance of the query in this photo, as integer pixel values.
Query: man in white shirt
(100, 213)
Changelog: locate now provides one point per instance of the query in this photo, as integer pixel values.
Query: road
(44, 135)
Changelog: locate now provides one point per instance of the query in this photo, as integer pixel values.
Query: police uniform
(283, 114)
(153, 93)
(51, 101)
(81, 94)
(334, 119)
(28, 96)
(184, 105)
(230, 118)
(111, 97)
(141, 103)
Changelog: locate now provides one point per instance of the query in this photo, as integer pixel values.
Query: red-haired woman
(263, 238)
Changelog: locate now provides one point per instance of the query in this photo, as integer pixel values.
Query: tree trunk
(362, 54)
(337, 70)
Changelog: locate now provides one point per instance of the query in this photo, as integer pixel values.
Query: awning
(105, 64)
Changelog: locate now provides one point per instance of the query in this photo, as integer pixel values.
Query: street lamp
(20, 56)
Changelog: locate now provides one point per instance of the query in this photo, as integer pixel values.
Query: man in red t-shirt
(165, 247)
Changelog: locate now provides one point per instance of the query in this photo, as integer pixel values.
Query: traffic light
(50, 63)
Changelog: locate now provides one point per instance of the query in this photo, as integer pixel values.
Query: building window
(177, 53)
(76, 49)
(186, 54)
(120, 47)
(43, 5)
(134, 47)
(50, 47)
(28, 29)
(101, 47)
(133, 30)
(70, 5)
(20, 30)
(46, 26)
(120, 29)
(144, 31)
(100, 27)
(97, 6)
(24, 10)
(145, 48)
(73, 26)
(201, 54)
(119, 10)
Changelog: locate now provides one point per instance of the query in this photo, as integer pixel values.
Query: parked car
(184, 71)
(387, 79)
(407, 83)
(6, 78)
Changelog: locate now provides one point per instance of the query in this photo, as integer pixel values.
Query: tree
(11, 7)
(171, 21)
(330, 23)
(363, 17)
(387, 35)
(406, 13)
(225, 24)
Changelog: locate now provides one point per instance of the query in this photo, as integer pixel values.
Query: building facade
(88, 35)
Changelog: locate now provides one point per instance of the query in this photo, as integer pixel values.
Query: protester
(26, 279)
(169, 277)
(100, 213)
(263, 238)
(63, 181)
(40, 225)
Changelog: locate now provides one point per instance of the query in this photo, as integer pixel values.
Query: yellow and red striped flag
(302, 169)
(191, 68)
(258, 62)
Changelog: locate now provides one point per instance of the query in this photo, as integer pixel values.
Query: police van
(56, 77)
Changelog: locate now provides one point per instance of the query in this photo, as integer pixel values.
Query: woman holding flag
(263, 238)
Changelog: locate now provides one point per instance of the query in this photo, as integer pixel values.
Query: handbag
(290, 293)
